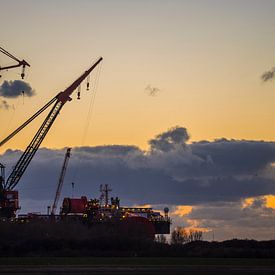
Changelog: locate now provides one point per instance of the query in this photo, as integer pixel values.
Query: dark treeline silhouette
(76, 239)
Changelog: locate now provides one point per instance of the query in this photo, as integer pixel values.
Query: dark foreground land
(78, 240)
(43, 248)
(152, 266)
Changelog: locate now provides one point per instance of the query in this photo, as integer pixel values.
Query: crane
(61, 180)
(9, 196)
(20, 63)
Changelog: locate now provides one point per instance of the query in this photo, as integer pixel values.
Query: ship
(104, 213)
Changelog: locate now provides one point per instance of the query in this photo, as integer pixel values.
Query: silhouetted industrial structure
(61, 180)
(20, 63)
(105, 212)
(8, 196)
(93, 212)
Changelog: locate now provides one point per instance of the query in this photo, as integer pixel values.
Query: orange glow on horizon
(269, 201)
(142, 205)
(194, 226)
(182, 210)
(247, 202)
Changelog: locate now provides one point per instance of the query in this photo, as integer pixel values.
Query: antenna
(104, 189)
(72, 189)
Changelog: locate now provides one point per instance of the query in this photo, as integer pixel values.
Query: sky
(167, 66)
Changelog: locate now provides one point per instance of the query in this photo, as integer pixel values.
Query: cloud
(170, 172)
(5, 105)
(152, 91)
(175, 173)
(174, 138)
(268, 75)
(232, 220)
(182, 210)
(212, 178)
(234, 157)
(13, 89)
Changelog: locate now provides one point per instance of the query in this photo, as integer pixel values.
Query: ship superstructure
(105, 212)
(102, 210)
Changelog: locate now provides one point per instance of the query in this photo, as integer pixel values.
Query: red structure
(139, 226)
(74, 206)
(141, 221)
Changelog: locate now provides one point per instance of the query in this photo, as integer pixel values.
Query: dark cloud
(179, 175)
(5, 105)
(268, 75)
(152, 91)
(172, 139)
(234, 157)
(214, 177)
(12, 89)
(108, 150)
(231, 220)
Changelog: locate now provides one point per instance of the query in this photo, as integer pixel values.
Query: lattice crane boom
(29, 153)
(9, 206)
(61, 180)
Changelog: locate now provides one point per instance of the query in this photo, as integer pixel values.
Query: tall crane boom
(29, 153)
(27, 156)
(9, 206)
(61, 180)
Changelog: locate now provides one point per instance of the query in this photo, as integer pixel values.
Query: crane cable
(91, 106)
(9, 54)
(88, 118)
(75, 173)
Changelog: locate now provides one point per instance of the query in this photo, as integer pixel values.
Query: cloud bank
(213, 178)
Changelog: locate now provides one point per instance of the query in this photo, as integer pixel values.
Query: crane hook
(88, 83)
(78, 92)
(23, 72)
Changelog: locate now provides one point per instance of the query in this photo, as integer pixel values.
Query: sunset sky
(204, 60)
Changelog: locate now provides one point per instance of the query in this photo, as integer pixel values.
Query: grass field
(135, 265)
(116, 261)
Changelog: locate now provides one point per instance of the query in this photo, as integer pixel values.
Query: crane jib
(65, 96)
(30, 151)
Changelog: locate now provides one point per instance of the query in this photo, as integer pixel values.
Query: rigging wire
(22, 63)
(9, 122)
(88, 120)
(9, 54)
(91, 106)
